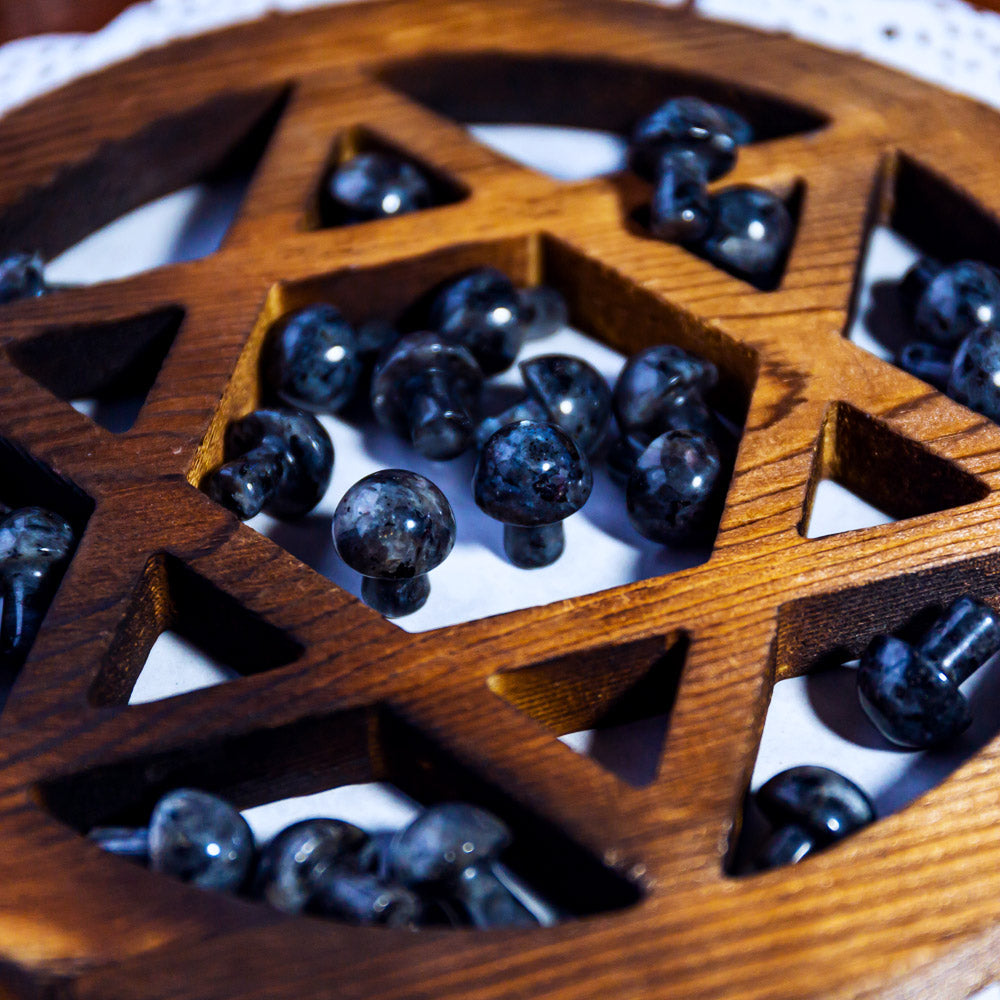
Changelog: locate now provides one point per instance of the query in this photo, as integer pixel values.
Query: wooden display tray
(909, 907)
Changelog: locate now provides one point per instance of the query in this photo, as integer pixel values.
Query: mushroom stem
(125, 841)
(248, 483)
(440, 425)
(395, 598)
(530, 547)
(963, 639)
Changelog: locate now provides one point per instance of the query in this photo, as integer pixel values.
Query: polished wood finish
(908, 908)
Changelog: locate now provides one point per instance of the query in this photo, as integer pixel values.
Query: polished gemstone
(824, 803)
(362, 898)
(975, 372)
(488, 902)
(672, 486)
(962, 639)
(201, 839)
(482, 312)
(245, 484)
(751, 233)
(312, 359)
(957, 301)
(681, 210)
(683, 123)
(786, 846)
(374, 186)
(22, 276)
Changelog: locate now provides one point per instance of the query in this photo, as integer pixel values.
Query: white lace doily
(944, 41)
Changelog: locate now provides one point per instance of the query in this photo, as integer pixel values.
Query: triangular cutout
(836, 509)
(814, 716)
(615, 701)
(854, 452)
(362, 764)
(230, 640)
(915, 212)
(104, 369)
(601, 94)
(87, 221)
(324, 213)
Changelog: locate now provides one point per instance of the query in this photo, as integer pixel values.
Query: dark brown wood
(908, 908)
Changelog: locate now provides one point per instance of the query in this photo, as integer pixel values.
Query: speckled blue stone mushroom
(958, 300)
(201, 839)
(279, 461)
(532, 476)
(811, 807)
(35, 545)
(482, 312)
(425, 388)
(670, 491)
(394, 527)
(974, 379)
(911, 693)
(22, 276)
(681, 210)
(311, 359)
(562, 390)
(293, 866)
(365, 899)
(373, 186)
(644, 400)
(683, 123)
(751, 233)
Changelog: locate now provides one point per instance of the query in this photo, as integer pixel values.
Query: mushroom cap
(910, 700)
(957, 300)
(413, 356)
(443, 841)
(573, 394)
(670, 490)
(375, 185)
(201, 839)
(975, 372)
(683, 123)
(308, 451)
(482, 311)
(531, 473)
(394, 525)
(311, 359)
(648, 377)
(751, 231)
(823, 802)
(22, 275)
(33, 539)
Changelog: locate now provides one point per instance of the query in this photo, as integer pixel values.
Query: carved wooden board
(332, 694)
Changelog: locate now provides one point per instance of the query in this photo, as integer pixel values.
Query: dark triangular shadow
(893, 476)
(171, 597)
(213, 149)
(105, 369)
(623, 693)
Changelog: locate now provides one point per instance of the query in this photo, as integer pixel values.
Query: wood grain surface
(331, 693)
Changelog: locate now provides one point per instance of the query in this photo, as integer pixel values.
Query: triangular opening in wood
(611, 703)
(104, 369)
(882, 477)
(172, 598)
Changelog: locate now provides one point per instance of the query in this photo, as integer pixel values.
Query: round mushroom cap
(531, 473)
(910, 700)
(308, 452)
(443, 841)
(22, 276)
(414, 356)
(394, 525)
(975, 372)
(573, 394)
(311, 359)
(375, 185)
(958, 300)
(684, 123)
(823, 802)
(751, 232)
(648, 377)
(32, 539)
(482, 311)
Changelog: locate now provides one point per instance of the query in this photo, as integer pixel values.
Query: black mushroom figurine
(562, 390)
(393, 527)
(427, 389)
(450, 851)
(681, 209)
(312, 359)
(373, 185)
(192, 835)
(751, 233)
(279, 461)
(35, 546)
(911, 693)
(810, 807)
(531, 476)
(482, 312)
(956, 301)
